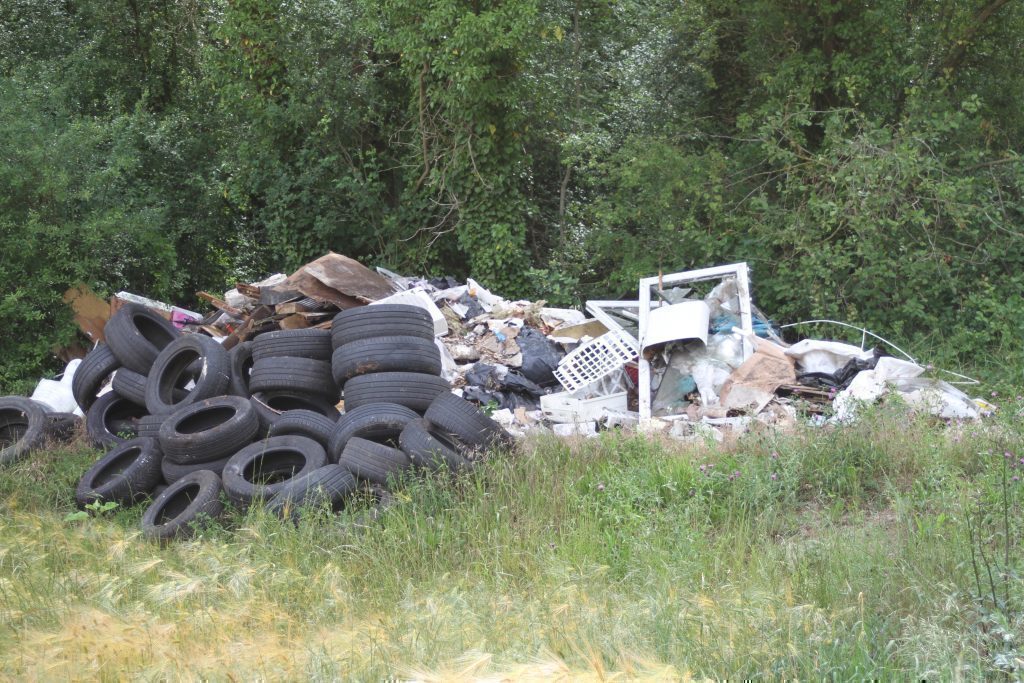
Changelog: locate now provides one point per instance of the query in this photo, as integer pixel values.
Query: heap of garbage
(691, 356)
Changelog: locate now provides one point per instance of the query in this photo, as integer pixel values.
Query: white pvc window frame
(601, 310)
(738, 270)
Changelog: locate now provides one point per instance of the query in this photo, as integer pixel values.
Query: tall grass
(840, 553)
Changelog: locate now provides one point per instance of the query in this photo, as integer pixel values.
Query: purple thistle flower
(774, 476)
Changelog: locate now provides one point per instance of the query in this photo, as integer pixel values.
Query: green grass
(833, 553)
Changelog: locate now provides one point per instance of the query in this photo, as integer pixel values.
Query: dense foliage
(864, 158)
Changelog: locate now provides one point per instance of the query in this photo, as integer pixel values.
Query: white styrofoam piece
(564, 407)
(587, 429)
(418, 297)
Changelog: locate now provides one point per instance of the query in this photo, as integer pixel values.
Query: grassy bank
(843, 553)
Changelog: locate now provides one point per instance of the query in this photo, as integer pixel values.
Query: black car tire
(410, 389)
(379, 422)
(173, 365)
(262, 469)
(190, 499)
(126, 474)
(137, 335)
(209, 430)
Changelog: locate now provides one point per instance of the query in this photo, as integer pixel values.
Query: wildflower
(1015, 478)
(994, 394)
(775, 456)
(703, 468)
(600, 487)
(775, 476)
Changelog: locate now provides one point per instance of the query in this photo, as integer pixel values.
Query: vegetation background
(864, 158)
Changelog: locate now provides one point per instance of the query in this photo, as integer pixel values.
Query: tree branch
(956, 55)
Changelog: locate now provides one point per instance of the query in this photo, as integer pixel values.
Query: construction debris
(692, 356)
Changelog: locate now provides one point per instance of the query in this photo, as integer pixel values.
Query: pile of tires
(196, 425)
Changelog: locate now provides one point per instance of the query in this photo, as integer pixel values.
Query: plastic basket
(595, 359)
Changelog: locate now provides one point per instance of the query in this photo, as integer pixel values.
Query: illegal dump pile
(245, 401)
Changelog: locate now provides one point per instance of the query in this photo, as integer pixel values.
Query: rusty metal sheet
(349, 277)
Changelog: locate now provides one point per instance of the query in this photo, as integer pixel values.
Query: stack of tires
(389, 367)
(135, 337)
(259, 423)
(291, 370)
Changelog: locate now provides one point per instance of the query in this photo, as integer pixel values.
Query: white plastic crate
(595, 359)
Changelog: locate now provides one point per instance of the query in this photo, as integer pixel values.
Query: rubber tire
(172, 512)
(466, 422)
(173, 362)
(23, 422)
(276, 455)
(385, 354)
(381, 320)
(137, 335)
(304, 423)
(385, 500)
(240, 362)
(127, 474)
(429, 448)
(213, 429)
(309, 343)
(299, 375)
(271, 405)
(329, 484)
(107, 409)
(90, 374)
(149, 425)
(62, 426)
(373, 462)
(377, 422)
(172, 471)
(411, 389)
(130, 385)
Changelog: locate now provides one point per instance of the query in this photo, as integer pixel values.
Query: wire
(864, 334)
